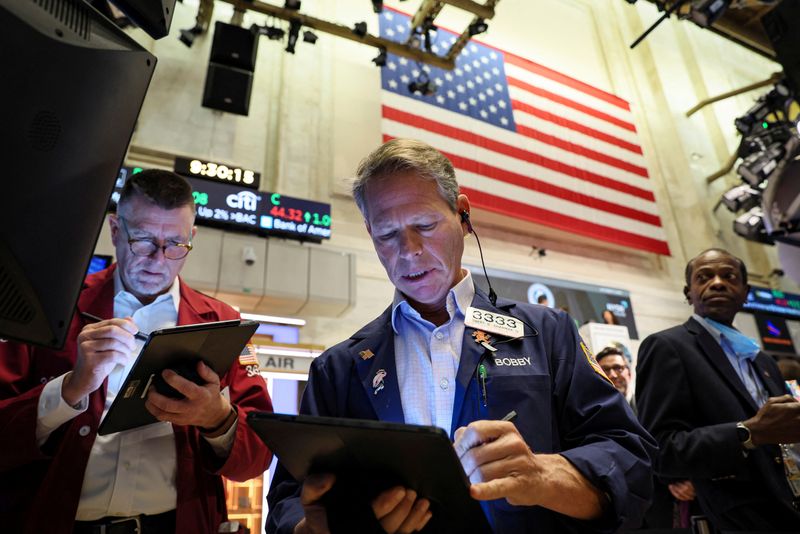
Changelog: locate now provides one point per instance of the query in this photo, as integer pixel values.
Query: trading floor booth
(284, 365)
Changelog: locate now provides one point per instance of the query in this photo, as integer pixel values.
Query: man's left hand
(683, 490)
(203, 406)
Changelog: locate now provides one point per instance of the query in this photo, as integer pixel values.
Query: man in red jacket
(56, 474)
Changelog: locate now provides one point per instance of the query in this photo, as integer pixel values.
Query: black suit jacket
(690, 399)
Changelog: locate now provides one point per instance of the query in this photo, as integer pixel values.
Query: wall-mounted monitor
(73, 87)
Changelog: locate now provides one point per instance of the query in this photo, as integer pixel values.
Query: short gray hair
(406, 155)
(164, 189)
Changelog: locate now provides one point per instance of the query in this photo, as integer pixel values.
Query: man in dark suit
(574, 460)
(718, 408)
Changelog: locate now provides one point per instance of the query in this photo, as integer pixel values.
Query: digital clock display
(231, 206)
(216, 171)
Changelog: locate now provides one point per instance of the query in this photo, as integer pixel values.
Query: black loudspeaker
(782, 25)
(228, 89)
(234, 46)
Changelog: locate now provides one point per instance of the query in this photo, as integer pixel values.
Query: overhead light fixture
(187, 36)
(201, 22)
(273, 319)
(292, 4)
(758, 167)
(705, 12)
(309, 37)
(380, 59)
(769, 151)
(741, 197)
(477, 27)
(422, 86)
(294, 33)
(360, 29)
(377, 6)
(750, 226)
(273, 33)
(752, 120)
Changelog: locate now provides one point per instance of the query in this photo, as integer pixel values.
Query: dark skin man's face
(716, 288)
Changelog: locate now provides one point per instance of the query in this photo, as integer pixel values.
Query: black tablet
(368, 457)
(179, 348)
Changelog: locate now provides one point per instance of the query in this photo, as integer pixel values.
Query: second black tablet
(368, 457)
(217, 344)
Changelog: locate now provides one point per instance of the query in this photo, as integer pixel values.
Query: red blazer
(40, 487)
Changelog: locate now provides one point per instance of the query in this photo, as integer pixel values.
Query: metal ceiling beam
(464, 38)
(479, 10)
(339, 30)
(428, 9)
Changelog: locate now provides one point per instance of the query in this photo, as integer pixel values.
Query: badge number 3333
(495, 323)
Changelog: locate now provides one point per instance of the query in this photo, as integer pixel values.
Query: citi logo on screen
(243, 200)
(772, 329)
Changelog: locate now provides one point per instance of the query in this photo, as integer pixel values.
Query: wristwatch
(744, 436)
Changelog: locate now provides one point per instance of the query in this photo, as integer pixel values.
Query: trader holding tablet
(57, 474)
(446, 354)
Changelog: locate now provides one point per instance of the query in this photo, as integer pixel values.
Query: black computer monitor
(152, 16)
(73, 85)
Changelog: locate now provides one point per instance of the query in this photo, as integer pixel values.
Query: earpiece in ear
(465, 219)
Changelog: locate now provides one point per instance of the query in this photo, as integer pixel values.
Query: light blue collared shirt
(744, 369)
(427, 357)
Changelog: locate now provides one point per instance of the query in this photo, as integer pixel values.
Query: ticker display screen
(775, 334)
(772, 301)
(231, 206)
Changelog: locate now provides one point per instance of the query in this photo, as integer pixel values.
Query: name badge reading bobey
(503, 325)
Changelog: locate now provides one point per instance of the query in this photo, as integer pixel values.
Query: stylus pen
(137, 335)
(510, 416)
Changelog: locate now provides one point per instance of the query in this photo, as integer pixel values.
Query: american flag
(526, 141)
(248, 355)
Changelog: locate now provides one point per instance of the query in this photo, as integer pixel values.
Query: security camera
(249, 255)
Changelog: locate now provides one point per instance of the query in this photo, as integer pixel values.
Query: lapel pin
(483, 338)
(366, 354)
(377, 381)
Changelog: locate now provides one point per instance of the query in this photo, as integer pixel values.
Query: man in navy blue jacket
(574, 460)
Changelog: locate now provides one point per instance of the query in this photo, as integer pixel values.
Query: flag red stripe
(511, 151)
(545, 188)
(543, 71)
(565, 222)
(570, 103)
(576, 126)
(581, 150)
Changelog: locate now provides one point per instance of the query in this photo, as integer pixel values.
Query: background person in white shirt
(167, 475)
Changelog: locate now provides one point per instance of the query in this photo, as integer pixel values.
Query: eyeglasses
(618, 369)
(148, 247)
